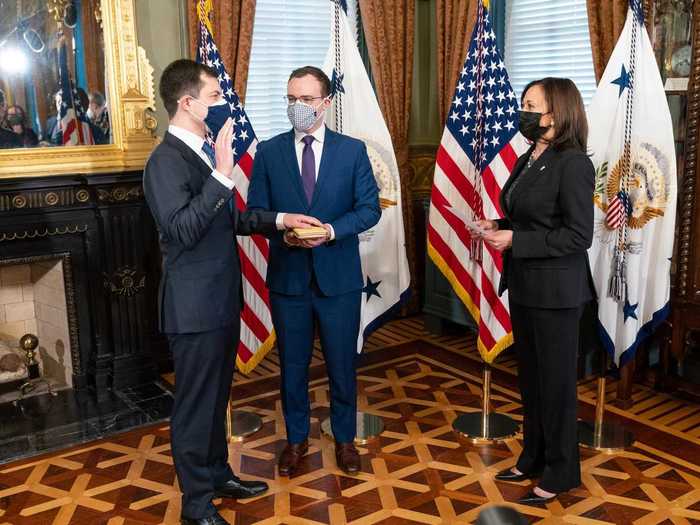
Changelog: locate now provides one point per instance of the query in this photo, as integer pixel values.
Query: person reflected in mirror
(54, 136)
(3, 111)
(82, 103)
(8, 139)
(98, 115)
(17, 120)
(54, 132)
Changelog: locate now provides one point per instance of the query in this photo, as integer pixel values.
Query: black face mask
(530, 127)
(15, 120)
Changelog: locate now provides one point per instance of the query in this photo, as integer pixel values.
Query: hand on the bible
(292, 240)
(297, 220)
(223, 150)
(501, 240)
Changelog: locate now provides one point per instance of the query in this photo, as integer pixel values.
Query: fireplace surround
(100, 229)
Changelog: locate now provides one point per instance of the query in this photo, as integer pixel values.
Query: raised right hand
(223, 149)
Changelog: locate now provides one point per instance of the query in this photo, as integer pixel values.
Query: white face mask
(303, 116)
(90, 114)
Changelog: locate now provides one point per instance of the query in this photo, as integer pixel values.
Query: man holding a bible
(314, 274)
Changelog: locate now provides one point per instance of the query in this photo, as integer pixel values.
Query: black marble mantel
(101, 227)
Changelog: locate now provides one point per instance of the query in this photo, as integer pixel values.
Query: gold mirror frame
(132, 119)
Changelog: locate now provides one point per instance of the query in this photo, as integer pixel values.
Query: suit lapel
(330, 145)
(289, 154)
(190, 156)
(514, 174)
(538, 167)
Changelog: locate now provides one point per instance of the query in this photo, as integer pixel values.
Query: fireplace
(79, 268)
(37, 297)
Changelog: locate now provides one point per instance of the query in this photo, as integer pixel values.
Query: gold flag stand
(241, 424)
(600, 435)
(485, 426)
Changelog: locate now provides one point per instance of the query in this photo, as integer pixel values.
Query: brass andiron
(29, 343)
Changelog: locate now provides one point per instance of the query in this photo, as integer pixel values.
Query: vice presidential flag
(478, 150)
(72, 116)
(257, 334)
(355, 112)
(631, 140)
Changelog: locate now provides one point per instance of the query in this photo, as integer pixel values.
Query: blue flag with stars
(632, 147)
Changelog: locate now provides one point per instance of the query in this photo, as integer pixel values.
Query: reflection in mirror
(52, 74)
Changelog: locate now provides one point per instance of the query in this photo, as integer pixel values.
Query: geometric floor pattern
(417, 472)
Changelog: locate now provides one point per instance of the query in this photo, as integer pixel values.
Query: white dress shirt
(317, 146)
(195, 143)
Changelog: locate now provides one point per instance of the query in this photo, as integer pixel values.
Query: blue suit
(320, 286)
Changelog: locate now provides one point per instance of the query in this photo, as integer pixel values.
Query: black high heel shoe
(533, 499)
(509, 475)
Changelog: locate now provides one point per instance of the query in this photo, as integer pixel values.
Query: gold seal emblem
(648, 185)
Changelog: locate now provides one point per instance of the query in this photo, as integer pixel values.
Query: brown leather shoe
(347, 457)
(291, 456)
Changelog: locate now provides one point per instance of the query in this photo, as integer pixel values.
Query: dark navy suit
(320, 286)
(199, 304)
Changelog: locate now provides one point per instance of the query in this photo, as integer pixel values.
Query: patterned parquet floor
(417, 472)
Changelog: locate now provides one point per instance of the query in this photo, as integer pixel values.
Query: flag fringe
(487, 354)
(246, 367)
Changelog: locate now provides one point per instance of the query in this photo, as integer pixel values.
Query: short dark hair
(98, 98)
(317, 73)
(182, 77)
(565, 104)
(82, 98)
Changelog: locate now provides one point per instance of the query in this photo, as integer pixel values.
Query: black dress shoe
(238, 489)
(509, 475)
(214, 519)
(533, 499)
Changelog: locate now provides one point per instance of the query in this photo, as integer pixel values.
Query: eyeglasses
(289, 99)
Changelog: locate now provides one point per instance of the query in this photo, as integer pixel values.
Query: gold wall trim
(132, 117)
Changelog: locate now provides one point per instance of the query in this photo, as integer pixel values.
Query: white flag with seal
(632, 147)
(355, 112)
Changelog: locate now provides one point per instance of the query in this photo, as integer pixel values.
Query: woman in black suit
(548, 226)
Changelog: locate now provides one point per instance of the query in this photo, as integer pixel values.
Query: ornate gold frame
(132, 117)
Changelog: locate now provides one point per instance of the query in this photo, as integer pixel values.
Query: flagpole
(601, 435)
(485, 427)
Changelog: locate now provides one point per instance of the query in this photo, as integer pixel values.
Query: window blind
(287, 34)
(549, 39)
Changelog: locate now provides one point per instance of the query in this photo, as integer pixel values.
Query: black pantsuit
(549, 208)
(546, 345)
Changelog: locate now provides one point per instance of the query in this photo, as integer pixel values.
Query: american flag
(618, 210)
(479, 147)
(75, 126)
(257, 334)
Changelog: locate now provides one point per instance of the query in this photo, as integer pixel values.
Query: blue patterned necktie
(308, 168)
(208, 150)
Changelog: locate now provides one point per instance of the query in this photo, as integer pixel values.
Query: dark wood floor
(417, 471)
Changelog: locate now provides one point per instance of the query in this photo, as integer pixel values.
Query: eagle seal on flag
(632, 147)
